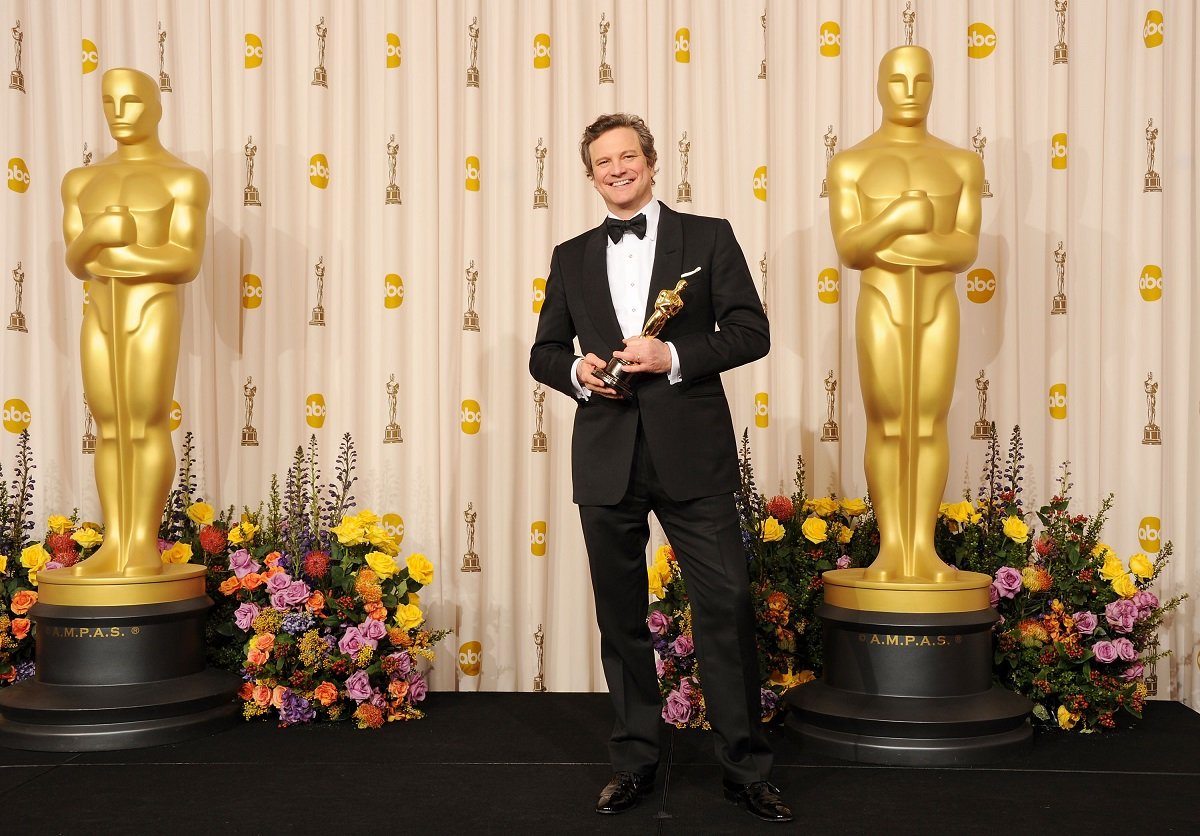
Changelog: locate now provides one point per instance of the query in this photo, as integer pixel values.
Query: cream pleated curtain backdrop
(414, 163)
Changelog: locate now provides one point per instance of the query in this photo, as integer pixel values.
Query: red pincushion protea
(67, 557)
(60, 543)
(212, 539)
(781, 508)
(316, 564)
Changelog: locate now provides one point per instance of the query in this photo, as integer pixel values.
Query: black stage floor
(534, 763)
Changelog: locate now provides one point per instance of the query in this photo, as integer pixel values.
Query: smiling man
(669, 448)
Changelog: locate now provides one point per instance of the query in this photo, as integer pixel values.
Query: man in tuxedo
(670, 449)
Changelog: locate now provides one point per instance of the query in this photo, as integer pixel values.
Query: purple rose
(378, 700)
(1121, 615)
(279, 582)
(1126, 652)
(993, 595)
(659, 666)
(1134, 672)
(658, 623)
(295, 709)
(297, 592)
(351, 642)
(687, 686)
(163, 545)
(1008, 582)
(417, 687)
(242, 564)
(842, 562)
(358, 686)
(768, 701)
(244, 615)
(1145, 602)
(372, 629)
(1085, 622)
(683, 646)
(1105, 652)
(678, 708)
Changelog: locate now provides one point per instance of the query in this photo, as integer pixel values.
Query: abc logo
(254, 51)
(318, 171)
(393, 524)
(1150, 283)
(1058, 151)
(683, 45)
(541, 51)
(1148, 535)
(760, 182)
(1058, 401)
(91, 57)
(176, 415)
(981, 40)
(393, 50)
(539, 294)
(829, 285)
(393, 291)
(537, 538)
(469, 658)
(314, 410)
(16, 415)
(472, 165)
(981, 285)
(252, 291)
(1153, 29)
(830, 39)
(472, 415)
(761, 410)
(18, 175)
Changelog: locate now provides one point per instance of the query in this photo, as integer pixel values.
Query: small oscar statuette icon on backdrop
(16, 79)
(539, 681)
(249, 434)
(666, 306)
(16, 319)
(540, 198)
(829, 430)
(606, 74)
(164, 78)
(470, 317)
(393, 191)
(391, 433)
(250, 195)
(1060, 48)
(473, 69)
(1059, 306)
(1151, 433)
(762, 71)
(984, 430)
(318, 311)
(979, 141)
(470, 559)
(89, 435)
(320, 77)
(540, 444)
(684, 193)
(762, 268)
(1153, 181)
(831, 142)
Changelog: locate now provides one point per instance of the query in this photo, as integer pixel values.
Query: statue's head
(906, 85)
(131, 105)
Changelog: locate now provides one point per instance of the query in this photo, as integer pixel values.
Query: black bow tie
(617, 227)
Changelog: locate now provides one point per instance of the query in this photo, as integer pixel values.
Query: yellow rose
(772, 530)
(383, 564)
(1112, 568)
(34, 558)
(178, 553)
(201, 513)
(243, 532)
(1100, 550)
(815, 530)
(845, 535)
(88, 538)
(822, 507)
(3, 563)
(420, 569)
(414, 599)
(378, 537)
(409, 616)
(1125, 586)
(366, 517)
(1141, 566)
(1015, 529)
(349, 532)
(1066, 719)
(788, 680)
(654, 580)
(664, 553)
(854, 507)
(59, 524)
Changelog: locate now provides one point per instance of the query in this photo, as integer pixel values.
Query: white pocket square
(689, 273)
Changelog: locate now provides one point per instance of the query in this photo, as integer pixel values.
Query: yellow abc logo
(314, 410)
(18, 175)
(1058, 151)
(472, 166)
(537, 538)
(1150, 283)
(16, 415)
(539, 294)
(91, 57)
(252, 291)
(830, 39)
(829, 284)
(760, 182)
(981, 285)
(1058, 401)
(683, 45)
(471, 417)
(762, 412)
(393, 524)
(176, 415)
(1153, 29)
(1148, 533)
(319, 171)
(254, 51)
(469, 657)
(981, 40)
(541, 51)
(393, 291)
(393, 50)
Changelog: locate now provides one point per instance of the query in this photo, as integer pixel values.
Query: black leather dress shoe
(623, 792)
(760, 798)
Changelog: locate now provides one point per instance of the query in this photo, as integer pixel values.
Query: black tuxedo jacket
(687, 425)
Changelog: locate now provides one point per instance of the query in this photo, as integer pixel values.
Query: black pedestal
(912, 689)
(117, 678)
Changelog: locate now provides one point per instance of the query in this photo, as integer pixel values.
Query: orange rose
(262, 696)
(377, 611)
(257, 657)
(10, 676)
(397, 689)
(274, 570)
(272, 560)
(229, 586)
(326, 693)
(277, 696)
(246, 692)
(20, 628)
(252, 580)
(316, 602)
(23, 600)
(265, 641)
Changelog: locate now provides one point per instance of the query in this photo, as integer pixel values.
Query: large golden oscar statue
(121, 621)
(908, 676)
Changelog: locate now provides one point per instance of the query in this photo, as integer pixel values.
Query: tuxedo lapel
(668, 255)
(596, 292)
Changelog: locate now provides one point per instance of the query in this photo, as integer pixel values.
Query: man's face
(130, 106)
(906, 85)
(620, 171)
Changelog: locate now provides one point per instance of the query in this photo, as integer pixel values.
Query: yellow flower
(34, 557)
(378, 537)
(383, 564)
(3, 563)
(815, 530)
(201, 513)
(960, 512)
(420, 569)
(664, 553)
(1125, 586)
(854, 507)
(414, 599)
(1015, 529)
(822, 507)
(243, 532)
(845, 535)
(350, 532)
(366, 517)
(771, 530)
(1067, 719)
(1112, 568)
(59, 524)
(654, 580)
(88, 538)
(1101, 550)
(178, 553)
(409, 616)
(1141, 566)
(787, 679)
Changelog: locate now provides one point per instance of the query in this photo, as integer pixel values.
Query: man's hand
(593, 384)
(645, 355)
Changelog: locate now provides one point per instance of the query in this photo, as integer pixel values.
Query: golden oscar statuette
(666, 306)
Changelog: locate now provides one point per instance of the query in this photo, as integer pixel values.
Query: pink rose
(658, 623)
(1105, 652)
